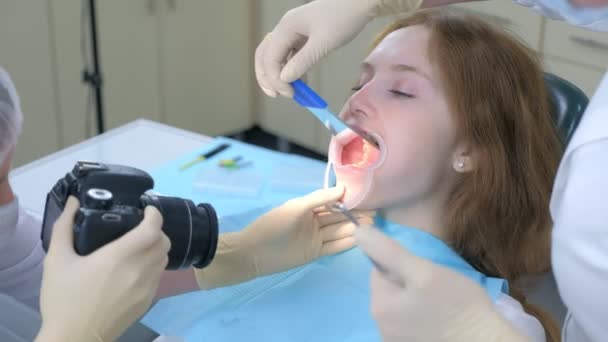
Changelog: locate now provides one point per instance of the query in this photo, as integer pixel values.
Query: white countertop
(142, 144)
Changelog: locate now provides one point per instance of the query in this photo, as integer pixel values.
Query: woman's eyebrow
(366, 66)
(409, 68)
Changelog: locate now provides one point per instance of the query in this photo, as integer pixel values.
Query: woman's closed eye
(393, 91)
(401, 93)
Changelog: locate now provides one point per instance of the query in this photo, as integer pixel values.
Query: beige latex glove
(414, 299)
(312, 31)
(98, 296)
(295, 233)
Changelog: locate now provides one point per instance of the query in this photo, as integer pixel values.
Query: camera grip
(95, 228)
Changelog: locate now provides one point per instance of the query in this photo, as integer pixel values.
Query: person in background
(21, 253)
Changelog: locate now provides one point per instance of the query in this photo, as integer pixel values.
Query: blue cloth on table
(267, 168)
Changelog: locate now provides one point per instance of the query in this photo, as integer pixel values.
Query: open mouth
(352, 150)
(354, 162)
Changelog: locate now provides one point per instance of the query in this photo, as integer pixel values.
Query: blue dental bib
(327, 300)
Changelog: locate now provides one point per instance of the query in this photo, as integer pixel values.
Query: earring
(461, 165)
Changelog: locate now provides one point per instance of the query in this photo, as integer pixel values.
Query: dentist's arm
(416, 300)
(293, 234)
(315, 29)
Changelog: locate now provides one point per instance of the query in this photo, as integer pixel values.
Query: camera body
(112, 202)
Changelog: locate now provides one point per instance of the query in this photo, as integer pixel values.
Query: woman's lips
(356, 179)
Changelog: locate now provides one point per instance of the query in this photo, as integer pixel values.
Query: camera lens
(193, 230)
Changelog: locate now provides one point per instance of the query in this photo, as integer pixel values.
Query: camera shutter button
(98, 199)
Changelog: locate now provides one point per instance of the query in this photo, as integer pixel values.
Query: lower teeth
(363, 160)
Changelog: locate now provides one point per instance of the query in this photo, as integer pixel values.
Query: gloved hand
(313, 30)
(96, 297)
(414, 299)
(295, 233)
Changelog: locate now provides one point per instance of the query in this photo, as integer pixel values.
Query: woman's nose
(359, 105)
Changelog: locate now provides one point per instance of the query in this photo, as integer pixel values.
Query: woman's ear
(464, 159)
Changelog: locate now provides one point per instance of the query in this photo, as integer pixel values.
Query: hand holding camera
(96, 297)
(105, 259)
(113, 198)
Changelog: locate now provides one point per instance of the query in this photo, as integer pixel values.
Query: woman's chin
(354, 196)
(368, 203)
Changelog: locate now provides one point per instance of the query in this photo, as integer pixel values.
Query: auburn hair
(497, 216)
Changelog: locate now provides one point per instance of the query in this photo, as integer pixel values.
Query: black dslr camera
(112, 201)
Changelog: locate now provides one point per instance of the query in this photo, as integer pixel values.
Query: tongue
(352, 153)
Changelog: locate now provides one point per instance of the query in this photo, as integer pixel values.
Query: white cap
(11, 118)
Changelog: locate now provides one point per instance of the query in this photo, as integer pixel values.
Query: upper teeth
(372, 140)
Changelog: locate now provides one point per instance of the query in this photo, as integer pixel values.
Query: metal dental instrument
(307, 98)
(205, 156)
(339, 207)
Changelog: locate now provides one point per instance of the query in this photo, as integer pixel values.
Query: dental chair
(568, 104)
